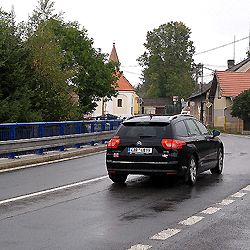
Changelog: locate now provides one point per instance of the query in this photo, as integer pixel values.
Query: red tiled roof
(113, 55)
(233, 83)
(123, 83)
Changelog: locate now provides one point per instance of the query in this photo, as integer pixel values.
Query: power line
(131, 72)
(221, 46)
(129, 66)
(219, 66)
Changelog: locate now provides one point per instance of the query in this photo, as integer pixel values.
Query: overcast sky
(213, 23)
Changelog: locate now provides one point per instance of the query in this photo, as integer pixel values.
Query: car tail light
(172, 144)
(113, 143)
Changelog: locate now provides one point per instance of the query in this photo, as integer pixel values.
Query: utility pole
(201, 114)
(196, 79)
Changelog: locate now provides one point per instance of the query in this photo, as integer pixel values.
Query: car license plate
(140, 150)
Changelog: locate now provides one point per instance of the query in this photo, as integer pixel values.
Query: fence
(35, 137)
(172, 109)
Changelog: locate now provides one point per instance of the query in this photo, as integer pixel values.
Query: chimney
(230, 63)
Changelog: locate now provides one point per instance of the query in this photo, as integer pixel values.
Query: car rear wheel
(118, 178)
(192, 171)
(219, 167)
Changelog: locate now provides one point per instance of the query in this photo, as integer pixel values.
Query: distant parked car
(164, 145)
(107, 117)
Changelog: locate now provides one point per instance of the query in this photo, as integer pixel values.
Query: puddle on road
(136, 217)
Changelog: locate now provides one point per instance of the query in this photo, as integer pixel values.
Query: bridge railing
(18, 138)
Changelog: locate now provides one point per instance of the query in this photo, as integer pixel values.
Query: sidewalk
(32, 160)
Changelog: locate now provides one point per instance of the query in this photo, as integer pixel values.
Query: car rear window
(144, 130)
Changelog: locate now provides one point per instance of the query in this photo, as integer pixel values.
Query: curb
(49, 157)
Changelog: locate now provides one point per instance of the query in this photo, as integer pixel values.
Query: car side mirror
(216, 132)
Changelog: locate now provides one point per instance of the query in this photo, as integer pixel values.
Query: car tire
(118, 178)
(219, 166)
(192, 171)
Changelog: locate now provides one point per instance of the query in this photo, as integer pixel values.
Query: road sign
(192, 103)
(175, 98)
(187, 108)
(209, 104)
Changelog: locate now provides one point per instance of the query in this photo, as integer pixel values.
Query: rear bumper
(147, 168)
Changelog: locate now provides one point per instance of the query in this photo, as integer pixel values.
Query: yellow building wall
(223, 118)
(136, 105)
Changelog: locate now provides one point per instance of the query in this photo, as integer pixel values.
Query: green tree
(43, 61)
(50, 84)
(241, 105)
(15, 92)
(167, 61)
(51, 73)
(94, 78)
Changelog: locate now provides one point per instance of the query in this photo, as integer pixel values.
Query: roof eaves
(205, 89)
(238, 65)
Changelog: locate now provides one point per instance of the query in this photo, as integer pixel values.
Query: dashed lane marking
(225, 202)
(191, 220)
(238, 195)
(22, 197)
(140, 247)
(211, 210)
(247, 188)
(163, 235)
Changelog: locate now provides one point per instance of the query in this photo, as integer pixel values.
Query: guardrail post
(40, 151)
(111, 126)
(78, 131)
(103, 129)
(62, 132)
(12, 136)
(92, 131)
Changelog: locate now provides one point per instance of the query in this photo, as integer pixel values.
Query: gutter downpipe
(225, 111)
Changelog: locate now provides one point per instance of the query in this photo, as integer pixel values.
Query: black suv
(163, 145)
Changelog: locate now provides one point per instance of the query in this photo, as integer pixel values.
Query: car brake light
(172, 144)
(113, 143)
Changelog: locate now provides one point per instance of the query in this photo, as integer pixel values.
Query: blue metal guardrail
(16, 131)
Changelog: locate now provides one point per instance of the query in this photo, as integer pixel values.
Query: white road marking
(211, 210)
(191, 220)
(247, 188)
(52, 190)
(225, 202)
(238, 195)
(140, 247)
(163, 235)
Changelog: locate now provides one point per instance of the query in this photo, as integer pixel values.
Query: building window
(119, 103)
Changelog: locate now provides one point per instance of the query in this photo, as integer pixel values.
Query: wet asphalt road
(92, 213)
